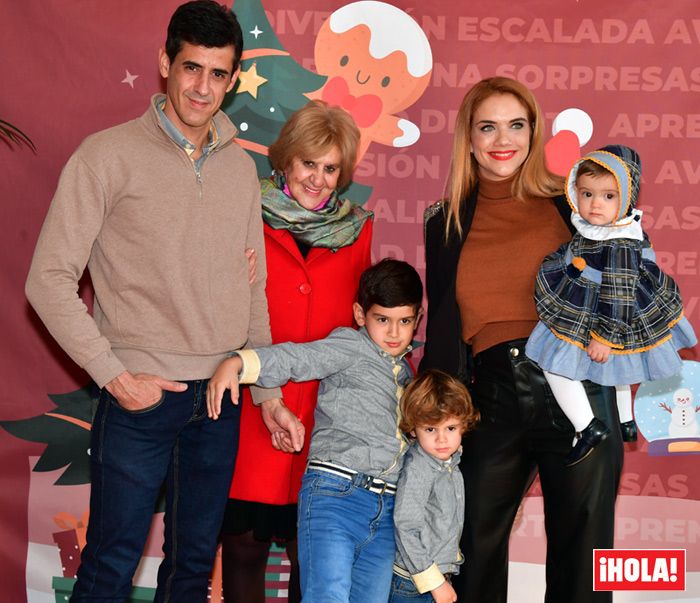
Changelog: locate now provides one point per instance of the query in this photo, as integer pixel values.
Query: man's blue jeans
(132, 455)
(345, 540)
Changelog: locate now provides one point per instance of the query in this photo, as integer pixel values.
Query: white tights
(571, 397)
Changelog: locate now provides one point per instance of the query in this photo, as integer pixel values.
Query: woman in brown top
(484, 244)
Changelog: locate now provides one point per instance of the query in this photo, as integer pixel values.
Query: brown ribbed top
(499, 261)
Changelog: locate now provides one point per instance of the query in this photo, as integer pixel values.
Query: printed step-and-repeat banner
(624, 72)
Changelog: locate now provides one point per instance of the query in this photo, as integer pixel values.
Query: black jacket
(444, 348)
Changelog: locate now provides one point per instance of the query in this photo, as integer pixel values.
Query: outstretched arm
(225, 377)
(286, 429)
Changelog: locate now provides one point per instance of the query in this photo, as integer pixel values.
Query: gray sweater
(428, 518)
(356, 417)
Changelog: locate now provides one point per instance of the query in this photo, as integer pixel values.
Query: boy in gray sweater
(436, 410)
(346, 502)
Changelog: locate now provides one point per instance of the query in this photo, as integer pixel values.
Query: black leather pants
(524, 432)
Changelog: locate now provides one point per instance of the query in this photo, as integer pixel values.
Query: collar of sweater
(496, 189)
(224, 127)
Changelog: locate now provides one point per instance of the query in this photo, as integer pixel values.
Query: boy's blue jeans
(403, 590)
(345, 540)
(132, 455)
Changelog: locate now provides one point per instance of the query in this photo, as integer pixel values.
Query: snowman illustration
(684, 423)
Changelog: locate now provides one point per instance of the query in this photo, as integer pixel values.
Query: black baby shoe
(594, 433)
(629, 431)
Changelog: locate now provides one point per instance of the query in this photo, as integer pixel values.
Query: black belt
(361, 480)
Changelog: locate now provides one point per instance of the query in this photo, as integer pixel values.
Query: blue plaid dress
(612, 291)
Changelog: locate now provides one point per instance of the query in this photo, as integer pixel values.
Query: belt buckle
(366, 481)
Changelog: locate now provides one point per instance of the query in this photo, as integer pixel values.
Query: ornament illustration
(571, 129)
(271, 85)
(666, 415)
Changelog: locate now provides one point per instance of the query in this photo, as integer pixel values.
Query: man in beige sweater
(161, 210)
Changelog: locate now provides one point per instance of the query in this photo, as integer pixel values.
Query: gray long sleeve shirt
(428, 517)
(356, 417)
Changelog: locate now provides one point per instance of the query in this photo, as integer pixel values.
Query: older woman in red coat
(316, 246)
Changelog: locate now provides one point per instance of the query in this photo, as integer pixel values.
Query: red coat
(307, 299)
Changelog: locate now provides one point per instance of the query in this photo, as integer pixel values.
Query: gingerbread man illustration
(378, 62)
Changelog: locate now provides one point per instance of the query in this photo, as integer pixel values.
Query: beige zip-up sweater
(165, 248)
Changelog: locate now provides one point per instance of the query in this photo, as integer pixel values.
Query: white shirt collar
(627, 228)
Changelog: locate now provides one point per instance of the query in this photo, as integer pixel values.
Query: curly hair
(434, 396)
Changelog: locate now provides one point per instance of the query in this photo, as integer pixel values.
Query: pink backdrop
(631, 66)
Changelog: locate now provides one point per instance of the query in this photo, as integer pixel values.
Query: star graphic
(250, 81)
(129, 79)
(256, 32)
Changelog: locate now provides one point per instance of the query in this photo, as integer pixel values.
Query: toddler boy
(436, 410)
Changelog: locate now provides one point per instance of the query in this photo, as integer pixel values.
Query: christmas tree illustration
(66, 432)
(271, 86)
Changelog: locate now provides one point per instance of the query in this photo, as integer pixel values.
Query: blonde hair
(312, 131)
(533, 179)
(434, 396)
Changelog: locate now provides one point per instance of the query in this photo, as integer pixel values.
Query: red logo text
(639, 569)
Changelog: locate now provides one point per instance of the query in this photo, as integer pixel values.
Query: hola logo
(639, 569)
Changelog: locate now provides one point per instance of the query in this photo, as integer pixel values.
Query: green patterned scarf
(336, 225)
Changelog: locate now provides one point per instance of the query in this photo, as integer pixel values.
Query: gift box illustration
(70, 541)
